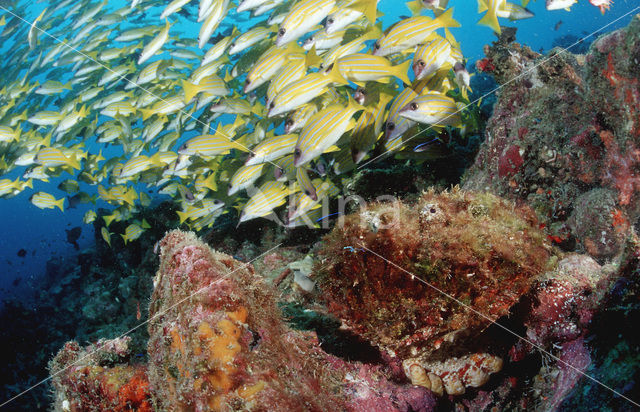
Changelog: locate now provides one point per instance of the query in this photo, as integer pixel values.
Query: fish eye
(247, 81)
(391, 126)
(414, 106)
(420, 63)
(289, 122)
(272, 105)
(377, 45)
(361, 90)
(298, 152)
(232, 45)
(330, 21)
(281, 32)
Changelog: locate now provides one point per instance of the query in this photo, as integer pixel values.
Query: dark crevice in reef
(333, 340)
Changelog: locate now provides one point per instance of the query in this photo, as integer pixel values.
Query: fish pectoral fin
(332, 148)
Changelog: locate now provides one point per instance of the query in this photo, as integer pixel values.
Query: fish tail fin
(415, 7)
(257, 108)
(241, 144)
(146, 113)
(182, 216)
(190, 90)
(131, 196)
(155, 160)
(352, 105)
(108, 219)
(401, 71)
(210, 182)
(29, 183)
(446, 19)
(449, 36)
(491, 20)
(311, 58)
(46, 141)
(145, 224)
(124, 238)
(74, 162)
(60, 204)
(336, 75)
(370, 9)
(374, 33)
(482, 6)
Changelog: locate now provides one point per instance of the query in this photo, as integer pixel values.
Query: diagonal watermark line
(48, 378)
(482, 315)
(122, 77)
(535, 66)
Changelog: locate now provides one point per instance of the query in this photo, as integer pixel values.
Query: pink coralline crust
(621, 172)
(510, 162)
(573, 353)
(368, 388)
(607, 43)
(565, 303)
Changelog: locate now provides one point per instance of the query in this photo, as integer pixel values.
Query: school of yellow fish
(286, 105)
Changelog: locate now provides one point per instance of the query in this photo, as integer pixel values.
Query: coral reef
(218, 340)
(564, 137)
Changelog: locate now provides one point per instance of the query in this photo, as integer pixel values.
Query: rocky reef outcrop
(565, 138)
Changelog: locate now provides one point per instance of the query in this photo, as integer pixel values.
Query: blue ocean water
(42, 232)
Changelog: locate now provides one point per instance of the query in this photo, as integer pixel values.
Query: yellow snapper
(269, 196)
(433, 108)
(323, 130)
(412, 31)
(106, 235)
(272, 148)
(303, 16)
(244, 177)
(302, 91)
(155, 44)
(46, 201)
(360, 68)
(134, 231)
